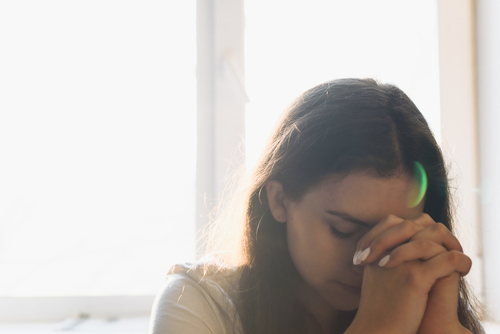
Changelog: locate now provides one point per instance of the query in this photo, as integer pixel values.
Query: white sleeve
(184, 307)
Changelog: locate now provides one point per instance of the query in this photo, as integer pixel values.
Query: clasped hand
(411, 278)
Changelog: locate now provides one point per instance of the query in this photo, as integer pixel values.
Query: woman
(344, 227)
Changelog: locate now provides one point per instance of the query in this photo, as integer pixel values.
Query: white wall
(488, 83)
(459, 128)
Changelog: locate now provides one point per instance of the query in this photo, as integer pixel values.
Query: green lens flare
(420, 177)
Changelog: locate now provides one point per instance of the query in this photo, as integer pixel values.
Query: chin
(344, 305)
(343, 300)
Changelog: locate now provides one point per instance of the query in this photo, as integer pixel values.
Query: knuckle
(425, 217)
(440, 228)
(391, 217)
(391, 220)
(378, 245)
(425, 245)
(410, 226)
(455, 257)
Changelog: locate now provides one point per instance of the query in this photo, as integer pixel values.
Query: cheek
(316, 253)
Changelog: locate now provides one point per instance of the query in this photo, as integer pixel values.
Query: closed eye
(341, 235)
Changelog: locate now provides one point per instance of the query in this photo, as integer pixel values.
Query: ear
(278, 203)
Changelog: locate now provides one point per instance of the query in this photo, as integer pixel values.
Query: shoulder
(195, 299)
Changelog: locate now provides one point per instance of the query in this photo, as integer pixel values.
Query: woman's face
(324, 228)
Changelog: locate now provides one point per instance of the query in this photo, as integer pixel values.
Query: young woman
(345, 226)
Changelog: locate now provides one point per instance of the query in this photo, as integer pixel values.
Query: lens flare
(419, 186)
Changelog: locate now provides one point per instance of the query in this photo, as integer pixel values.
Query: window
(98, 145)
(315, 41)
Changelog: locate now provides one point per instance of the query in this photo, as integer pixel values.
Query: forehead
(365, 196)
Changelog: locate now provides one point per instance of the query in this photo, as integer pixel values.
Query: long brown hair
(340, 126)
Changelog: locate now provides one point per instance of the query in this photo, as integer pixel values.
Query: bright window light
(97, 143)
(294, 45)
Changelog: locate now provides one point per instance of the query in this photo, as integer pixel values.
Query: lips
(355, 289)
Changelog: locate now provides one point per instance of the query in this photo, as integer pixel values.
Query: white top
(195, 300)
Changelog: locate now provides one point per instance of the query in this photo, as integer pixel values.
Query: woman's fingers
(393, 232)
(439, 234)
(389, 222)
(389, 233)
(363, 251)
(416, 250)
(389, 239)
(382, 226)
(409, 232)
(447, 263)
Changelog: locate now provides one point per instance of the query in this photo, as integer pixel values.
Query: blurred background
(121, 122)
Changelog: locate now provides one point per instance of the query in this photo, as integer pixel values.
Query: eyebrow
(349, 218)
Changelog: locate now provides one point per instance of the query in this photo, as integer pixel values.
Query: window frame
(221, 100)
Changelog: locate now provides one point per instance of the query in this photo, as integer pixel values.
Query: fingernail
(355, 258)
(364, 254)
(384, 260)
